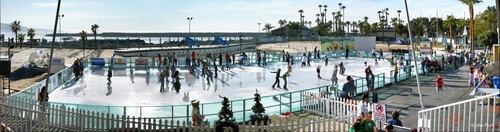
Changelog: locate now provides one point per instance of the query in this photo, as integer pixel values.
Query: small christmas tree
(225, 113)
(259, 115)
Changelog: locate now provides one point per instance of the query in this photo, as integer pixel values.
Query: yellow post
(496, 53)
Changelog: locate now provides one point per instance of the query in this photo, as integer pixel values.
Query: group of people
(78, 67)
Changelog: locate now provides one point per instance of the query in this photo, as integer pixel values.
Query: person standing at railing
(284, 76)
(43, 98)
(112, 61)
(362, 110)
(477, 76)
(439, 83)
(228, 61)
(264, 59)
(193, 59)
(315, 51)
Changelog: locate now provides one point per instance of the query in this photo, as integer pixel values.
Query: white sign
(57, 61)
(425, 47)
(379, 112)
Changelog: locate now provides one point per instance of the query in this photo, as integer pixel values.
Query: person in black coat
(278, 73)
(347, 53)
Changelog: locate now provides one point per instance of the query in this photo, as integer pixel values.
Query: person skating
(334, 80)
(208, 75)
(309, 59)
(367, 77)
(347, 53)
(215, 68)
(176, 81)
(277, 78)
(287, 74)
(220, 61)
(304, 59)
(110, 74)
(162, 80)
(318, 70)
(228, 61)
(342, 68)
(326, 60)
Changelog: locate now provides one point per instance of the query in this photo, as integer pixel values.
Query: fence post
(244, 110)
(187, 112)
(290, 102)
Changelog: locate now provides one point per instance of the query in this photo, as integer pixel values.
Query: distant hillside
(8, 33)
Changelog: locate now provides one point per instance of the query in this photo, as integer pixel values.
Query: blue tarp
(190, 42)
(221, 41)
(23, 73)
(398, 42)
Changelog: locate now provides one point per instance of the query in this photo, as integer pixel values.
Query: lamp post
(257, 37)
(189, 30)
(60, 17)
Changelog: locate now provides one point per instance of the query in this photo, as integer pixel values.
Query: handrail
(456, 103)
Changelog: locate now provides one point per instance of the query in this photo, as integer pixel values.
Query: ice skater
(110, 74)
(347, 53)
(162, 80)
(285, 76)
(326, 60)
(176, 81)
(334, 78)
(208, 75)
(304, 59)
(309, 59)
(342, 68)
(277, 78)
(318, 70)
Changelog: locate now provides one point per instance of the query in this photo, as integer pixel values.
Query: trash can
(496, 83)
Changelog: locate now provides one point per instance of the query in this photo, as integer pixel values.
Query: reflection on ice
(141, 88)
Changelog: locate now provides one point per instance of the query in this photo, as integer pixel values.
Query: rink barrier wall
(60, 118)
(286, 103)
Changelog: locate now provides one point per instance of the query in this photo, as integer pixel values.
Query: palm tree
(282, 23)
(471, 4)
(354, 25)
(15, 27)
(268, 27)
(320, 12)
(31, 34)
(83, 37)
(20, 37)
(94, 29)
(450, 22)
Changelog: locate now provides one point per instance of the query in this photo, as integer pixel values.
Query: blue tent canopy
(398, 42)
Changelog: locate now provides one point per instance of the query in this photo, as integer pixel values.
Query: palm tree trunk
(95, 40)
(15, 44)
(451, 39)
(471, 25)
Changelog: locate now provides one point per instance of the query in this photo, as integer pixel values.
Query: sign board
(425, 47)
(141, 61)
(120, 61)
(57, 61)
(379, 112)
(97, 62)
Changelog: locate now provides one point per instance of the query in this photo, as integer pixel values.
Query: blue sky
(208, 15)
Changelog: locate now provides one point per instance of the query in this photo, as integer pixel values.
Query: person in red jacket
(439, 83)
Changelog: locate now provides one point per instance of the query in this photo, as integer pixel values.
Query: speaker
(4, 67)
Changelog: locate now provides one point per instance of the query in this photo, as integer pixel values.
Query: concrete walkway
(404, 96)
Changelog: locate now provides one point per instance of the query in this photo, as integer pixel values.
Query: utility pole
(52, 47)
(414, 56)
(498, 21)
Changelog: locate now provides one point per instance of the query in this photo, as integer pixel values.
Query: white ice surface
(238, 83)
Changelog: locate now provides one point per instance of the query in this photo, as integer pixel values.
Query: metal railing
(477, 114)
(274, 104)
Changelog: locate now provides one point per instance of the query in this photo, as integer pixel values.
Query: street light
(256, 38)
(60, 17)
(189, 19)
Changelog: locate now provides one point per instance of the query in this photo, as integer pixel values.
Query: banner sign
(97, 61)
(141, 61)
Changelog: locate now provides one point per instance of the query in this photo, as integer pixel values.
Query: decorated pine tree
(225, 113)
(259, 115)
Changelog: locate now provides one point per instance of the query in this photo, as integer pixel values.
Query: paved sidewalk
(404, 96)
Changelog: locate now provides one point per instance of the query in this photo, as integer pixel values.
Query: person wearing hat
(362, 110)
